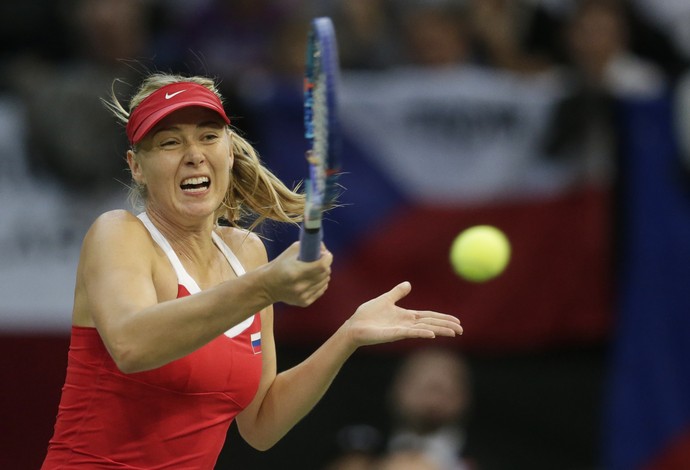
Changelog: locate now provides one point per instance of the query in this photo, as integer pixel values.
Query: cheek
(223, 163)
(223, 175)
(160, 174)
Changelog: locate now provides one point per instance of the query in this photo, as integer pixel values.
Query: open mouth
(196, 184)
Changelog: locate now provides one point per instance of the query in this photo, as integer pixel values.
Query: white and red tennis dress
(172, 417)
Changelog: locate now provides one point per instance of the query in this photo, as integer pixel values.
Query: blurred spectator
(366, 33)
(430, 399)
(601, 69)
(66, 119)
(229, 39)
(434, 34)
(30, 28)
(598, 47)
(514, 35)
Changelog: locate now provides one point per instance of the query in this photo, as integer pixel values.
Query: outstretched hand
(380, 320)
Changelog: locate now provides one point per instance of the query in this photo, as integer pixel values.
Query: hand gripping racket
(321, 131)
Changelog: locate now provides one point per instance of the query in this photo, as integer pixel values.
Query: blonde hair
(254, 193)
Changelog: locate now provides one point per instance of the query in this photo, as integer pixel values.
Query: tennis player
(172, 334)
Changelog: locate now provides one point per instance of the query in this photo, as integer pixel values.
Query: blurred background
(566, 123)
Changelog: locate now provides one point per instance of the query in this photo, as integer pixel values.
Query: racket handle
(310, 244)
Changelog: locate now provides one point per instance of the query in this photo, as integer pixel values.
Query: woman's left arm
(284, 399)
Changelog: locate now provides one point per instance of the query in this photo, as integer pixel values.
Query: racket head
(321, 120)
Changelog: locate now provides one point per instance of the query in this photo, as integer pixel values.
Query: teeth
(195, 185)
(197, 180)
(194, 190)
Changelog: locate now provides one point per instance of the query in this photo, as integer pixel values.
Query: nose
(193, 155)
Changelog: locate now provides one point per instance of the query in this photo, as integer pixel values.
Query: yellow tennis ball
(480, 253)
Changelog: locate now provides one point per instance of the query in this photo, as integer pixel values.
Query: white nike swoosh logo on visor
(170, 95)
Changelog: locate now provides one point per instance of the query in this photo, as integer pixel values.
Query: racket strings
(321, 186)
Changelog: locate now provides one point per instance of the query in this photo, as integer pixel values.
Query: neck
(192, 240)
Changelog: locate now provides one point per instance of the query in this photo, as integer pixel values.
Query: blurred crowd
(59, 57)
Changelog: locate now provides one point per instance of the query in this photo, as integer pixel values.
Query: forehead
(191, 115)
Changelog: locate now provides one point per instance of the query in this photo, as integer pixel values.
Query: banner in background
(429, 153)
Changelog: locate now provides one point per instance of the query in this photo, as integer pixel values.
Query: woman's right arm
(115, 285)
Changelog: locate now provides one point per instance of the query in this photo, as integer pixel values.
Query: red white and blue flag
(427, 154)
(255, 339)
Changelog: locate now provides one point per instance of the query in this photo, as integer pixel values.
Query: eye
(210, 137)
(168, 143)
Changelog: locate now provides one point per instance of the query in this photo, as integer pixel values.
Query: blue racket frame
(321, 131)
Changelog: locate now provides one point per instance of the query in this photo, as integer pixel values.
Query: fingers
(317, 277)
(436, 315)
(438, 323)
(430, 332)
(442, 329)
(325, 252)
(319, 292)
(400, 291)
(309, 290)
(296, 282)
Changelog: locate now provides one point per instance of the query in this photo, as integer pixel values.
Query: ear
(135, 168)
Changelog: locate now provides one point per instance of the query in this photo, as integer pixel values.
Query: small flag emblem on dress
(256, 342)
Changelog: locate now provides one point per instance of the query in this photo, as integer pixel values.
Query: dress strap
(229, 255)
(239, 270)
(183, 277)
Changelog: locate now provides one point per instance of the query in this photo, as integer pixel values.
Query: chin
(198, 211)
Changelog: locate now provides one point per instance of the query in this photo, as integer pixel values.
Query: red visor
(164, 101)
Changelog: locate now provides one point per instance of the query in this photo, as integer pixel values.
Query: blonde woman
(172, 335)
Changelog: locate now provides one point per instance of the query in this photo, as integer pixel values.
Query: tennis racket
(321, 131)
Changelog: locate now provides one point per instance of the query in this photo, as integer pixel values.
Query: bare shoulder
(116, 233)
(246, 245)
(118, 255)
(116, 225)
